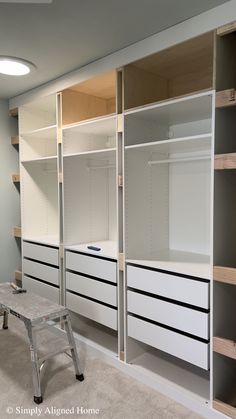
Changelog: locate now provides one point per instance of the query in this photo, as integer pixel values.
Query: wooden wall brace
(120, 181)
(122, 355)
(61, 251)
(120, 123)
(18, 275)
(17, 231)
(15, 140)
(224, 30)
(13, 112)
(15, 178)
(121, 262)
(60, 177)
(225, 161)
(226, 98)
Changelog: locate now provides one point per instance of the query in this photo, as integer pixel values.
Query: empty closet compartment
(168, 195)
(185, 119)
(224, 385)
(224, 298)
(39, 144)
(38, 116)
(90, 99)
(90, 212)
(176, 71)
(39, 198)
(88, 136)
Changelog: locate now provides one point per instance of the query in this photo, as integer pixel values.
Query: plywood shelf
(226, 29)
(225, 408)
(15, 140)
(13, 112)
(17, 232)
(225, 161)
(226, 98)
(225, 274)
(15, 178)
(18, 275)
(224, 347)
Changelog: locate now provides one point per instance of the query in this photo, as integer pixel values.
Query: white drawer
(39, 288)
(91, 288)
(94, 311)
(186, 319)
(40, 271)
(100, 268)
(186, 290)
(188, 349)
(41, 253)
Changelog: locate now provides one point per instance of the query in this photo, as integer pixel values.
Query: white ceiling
(67, 34)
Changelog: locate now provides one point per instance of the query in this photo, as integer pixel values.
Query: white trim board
(159, 384)
(181, 32)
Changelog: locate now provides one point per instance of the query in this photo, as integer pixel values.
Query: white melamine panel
(90, 198)
(177, 288)
(94, 311)
(188, 320)
(40, 271)
(38, 114)
(40, 253)
(39, 288)
(39, 199)
(39, 143)
(109, 248)
(93, 266)
(91, 135)
(92, 288)
(188, 349)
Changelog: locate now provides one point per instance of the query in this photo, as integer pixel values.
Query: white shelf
(49, 132)
(105, 125)
(192, 264)
(109, 248)
(91, 153)
(191, 143)
(41, 160)
(48, 240)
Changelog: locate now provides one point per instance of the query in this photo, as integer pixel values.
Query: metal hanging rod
(178, 160)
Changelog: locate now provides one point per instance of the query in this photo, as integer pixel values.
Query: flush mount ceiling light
(13, 66)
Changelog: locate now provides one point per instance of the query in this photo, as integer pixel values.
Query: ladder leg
(74, 353)
(5, 320)
(34, 362)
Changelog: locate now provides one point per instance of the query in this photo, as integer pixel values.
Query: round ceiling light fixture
(12, 66)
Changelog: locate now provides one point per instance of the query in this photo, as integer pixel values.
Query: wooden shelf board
(15, 178)
(13, 112)
(225, 408)
(226, 98)
(15, 140)
(225, 161)
(18, 275)
(224, 347)
(224, 274)
(229, 28)
(17, 231)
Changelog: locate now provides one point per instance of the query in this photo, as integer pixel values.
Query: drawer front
(39, 288)
(91, 288)
(188, 320)
(186, 290)
(41, 253)
(190, 350)
(100, 268)
(40, 271)
(94, 311)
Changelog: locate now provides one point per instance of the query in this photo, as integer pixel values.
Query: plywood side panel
(142, 87)
(77, 106)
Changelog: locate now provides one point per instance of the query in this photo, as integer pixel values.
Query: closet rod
(100, 167)
(178, 160)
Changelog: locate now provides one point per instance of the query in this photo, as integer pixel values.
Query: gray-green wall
(9, 197)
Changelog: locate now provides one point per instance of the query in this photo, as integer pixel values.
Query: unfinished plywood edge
(225, 161)
(224, 274)
(226, 98)
(225, 408)
(224, 346)
(17, 232)
(120, 181)
(120, 123)
(229, 28)
(15, 140)
(18, 275)
(13, 112)
(121, 262)
(60, 177)
(15, 178)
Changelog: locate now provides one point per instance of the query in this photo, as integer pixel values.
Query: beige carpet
(107, 392)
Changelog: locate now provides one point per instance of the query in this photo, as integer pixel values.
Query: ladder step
(52, 354)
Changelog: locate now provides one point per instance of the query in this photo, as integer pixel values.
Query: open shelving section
(128, 214)
(224, 289)
(89, 135)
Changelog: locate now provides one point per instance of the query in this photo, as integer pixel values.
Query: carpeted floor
(107, 392)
